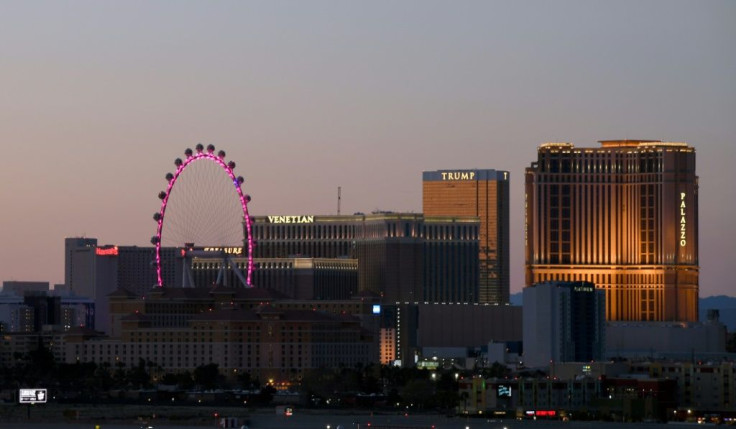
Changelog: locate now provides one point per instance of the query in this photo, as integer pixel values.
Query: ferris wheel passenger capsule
(169, 177)
(199, 147)
(221, 154)
(247, 198)
(231, 164)
(178, 162)
(188, 153)
(162, 195)
(210, 148)
(157, 216)
(154, 239)
(240, 180)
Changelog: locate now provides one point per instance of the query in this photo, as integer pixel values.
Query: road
(332, 421)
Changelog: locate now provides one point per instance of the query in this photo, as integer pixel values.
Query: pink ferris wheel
(204, 207)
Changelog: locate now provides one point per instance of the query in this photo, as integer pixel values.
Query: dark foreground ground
(55, 416)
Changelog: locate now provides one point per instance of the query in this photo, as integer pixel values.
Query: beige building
(483, 194)
(240, 330)
(701, 386)
(266, 342)
(623, 216)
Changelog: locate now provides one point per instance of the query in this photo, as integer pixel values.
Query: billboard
(32, 396)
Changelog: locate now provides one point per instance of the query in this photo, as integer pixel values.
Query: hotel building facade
(563, 322)
(401, 257)
(483, 194)
(623, 216)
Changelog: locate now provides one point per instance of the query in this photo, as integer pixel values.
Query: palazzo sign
(683, 221)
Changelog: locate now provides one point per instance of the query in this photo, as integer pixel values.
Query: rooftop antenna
(339, 197)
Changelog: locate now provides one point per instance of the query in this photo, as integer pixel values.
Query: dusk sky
(99, 97)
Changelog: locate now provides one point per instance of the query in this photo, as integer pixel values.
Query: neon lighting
(110, 251)
(243, 203)
(227, 250)
(683, 221)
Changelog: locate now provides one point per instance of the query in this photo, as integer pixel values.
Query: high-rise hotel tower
(623, 216)
(483, 194)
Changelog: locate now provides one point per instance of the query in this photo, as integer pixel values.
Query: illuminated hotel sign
(683, 222)
(458, 175)
(110, 251)
(291, 219)
(584, 289)
(228, 250)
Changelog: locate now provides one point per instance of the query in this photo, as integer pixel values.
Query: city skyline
(100, 99)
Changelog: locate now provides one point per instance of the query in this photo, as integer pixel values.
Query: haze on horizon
(99, 98)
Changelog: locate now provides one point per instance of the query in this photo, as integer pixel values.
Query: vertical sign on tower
(683, 220)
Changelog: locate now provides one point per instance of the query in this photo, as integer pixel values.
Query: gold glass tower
(483, 194)
(623, 216)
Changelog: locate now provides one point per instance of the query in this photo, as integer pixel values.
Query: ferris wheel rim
(218, 159)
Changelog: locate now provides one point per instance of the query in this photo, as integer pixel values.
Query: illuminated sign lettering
(228, 250)
(32, 396)
(458, 175)
(504, 390)
(291, 219)
(583, 289)
(683, 221)
(110, 251)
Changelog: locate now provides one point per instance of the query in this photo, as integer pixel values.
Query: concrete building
(483, 194)
(253, 330)
(402, 257)
(46, 309)
(15, 316)
(266, 342)
(531, 398)
(708, 386)
(467, 325)
(137, 272)
(92, 272)
(666, 340)
(21, 287)
(563, 322)
(623, 216)
(76, 252)
(30, 313)
(297, 278)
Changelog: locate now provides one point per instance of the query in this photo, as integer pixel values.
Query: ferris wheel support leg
(191, 277)
(220, 275)
(185, 273)
(187, 278)
(237, 271)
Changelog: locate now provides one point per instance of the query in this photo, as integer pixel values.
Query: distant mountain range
(516, 298)
(718, 301)
(726, 306)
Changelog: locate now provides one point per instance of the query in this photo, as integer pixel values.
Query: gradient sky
(99, 97)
